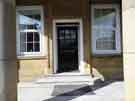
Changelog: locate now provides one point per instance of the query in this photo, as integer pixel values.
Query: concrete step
(63, 79)
(67, 74)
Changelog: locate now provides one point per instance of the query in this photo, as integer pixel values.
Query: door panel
(67, 38)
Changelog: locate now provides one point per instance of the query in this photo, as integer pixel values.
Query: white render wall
(8, 64)
(128, 10)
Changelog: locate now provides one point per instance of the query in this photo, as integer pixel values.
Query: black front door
(67, 38)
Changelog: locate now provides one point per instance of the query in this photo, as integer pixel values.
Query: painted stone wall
(128, 13)
(32, 69)
(109, 67)
(8, 62)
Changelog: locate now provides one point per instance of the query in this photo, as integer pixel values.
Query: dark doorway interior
(67, 39)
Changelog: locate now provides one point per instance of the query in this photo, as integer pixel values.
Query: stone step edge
(65, 75)
(43, 85)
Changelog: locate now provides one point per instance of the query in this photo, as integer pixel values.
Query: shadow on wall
(108, 68)
(8, 50)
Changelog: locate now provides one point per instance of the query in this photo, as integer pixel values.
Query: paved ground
(110, 91)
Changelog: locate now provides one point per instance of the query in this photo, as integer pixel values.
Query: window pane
(22, 42)
(30, 26)
(37, 47)
(36, 37)
(23, 47)
(29, 36)
(105, 40)
(29, 47)
(105, 17)
(30, 19)
(22, 26)
(37, 17)
(23, 37)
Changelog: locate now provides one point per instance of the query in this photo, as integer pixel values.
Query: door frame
(80, 43)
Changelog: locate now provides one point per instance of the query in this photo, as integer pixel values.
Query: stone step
(66, 74)
(63, 79)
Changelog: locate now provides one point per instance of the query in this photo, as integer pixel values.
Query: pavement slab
(113, 91)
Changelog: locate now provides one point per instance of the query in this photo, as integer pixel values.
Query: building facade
(55, 36)
(8, 63)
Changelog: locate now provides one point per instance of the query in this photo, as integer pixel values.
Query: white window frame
(117, 34)
(30, 54)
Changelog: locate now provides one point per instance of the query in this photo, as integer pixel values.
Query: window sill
(32, 57)
(106, 55)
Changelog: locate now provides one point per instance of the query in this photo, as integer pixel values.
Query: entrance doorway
(68, 48)
(67, 41)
